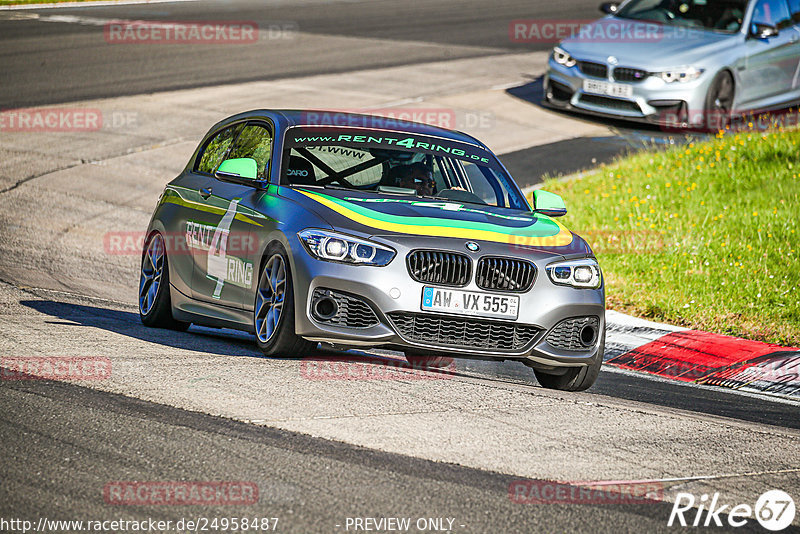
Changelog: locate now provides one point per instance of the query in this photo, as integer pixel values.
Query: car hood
(645, 45)
(389, 215)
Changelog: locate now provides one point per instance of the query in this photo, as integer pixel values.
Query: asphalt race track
(205, 405)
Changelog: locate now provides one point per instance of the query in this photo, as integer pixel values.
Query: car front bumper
(391, 290)
(652, 100)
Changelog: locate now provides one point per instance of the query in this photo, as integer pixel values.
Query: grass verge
(705, 235)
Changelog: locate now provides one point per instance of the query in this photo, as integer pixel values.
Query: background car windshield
(715, 15)
(401, 172)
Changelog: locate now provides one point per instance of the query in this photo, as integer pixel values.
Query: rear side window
(215, 150)
(255, 142)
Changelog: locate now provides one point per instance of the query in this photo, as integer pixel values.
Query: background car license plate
(607, 88)
(470, 303)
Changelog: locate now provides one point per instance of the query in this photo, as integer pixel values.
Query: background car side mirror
(609, 8)
(763, 31)
(548, 203)
(238, 168)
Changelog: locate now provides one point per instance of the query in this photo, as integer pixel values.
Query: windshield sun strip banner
(390, 141)
(542, 231)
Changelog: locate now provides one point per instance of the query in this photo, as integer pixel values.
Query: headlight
(562, 58)
(576, 273)
(332, 246)
(681, 75)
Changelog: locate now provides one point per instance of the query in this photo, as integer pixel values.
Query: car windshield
(397, 163)
(715, 15)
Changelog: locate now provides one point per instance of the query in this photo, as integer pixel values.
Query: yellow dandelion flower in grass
(652, 226)
(668, 184)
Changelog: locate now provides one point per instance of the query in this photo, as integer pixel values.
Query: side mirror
(609, 8)
(246, 168)
(548, 203)
(763, 31)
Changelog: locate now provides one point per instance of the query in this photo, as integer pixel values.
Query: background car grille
(464, 332)
(625, 74)
(611, 103)
(566, 335)
(589, 68)
(504, 274)
(352, 311)
(447, 268)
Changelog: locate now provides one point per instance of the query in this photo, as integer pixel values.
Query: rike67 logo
(774, 510)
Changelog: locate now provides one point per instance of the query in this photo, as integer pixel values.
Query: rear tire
(576, 378)
(155, 305)
(273, 313)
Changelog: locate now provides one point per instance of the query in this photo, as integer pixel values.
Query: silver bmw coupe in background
(357, 231)
(696, 63)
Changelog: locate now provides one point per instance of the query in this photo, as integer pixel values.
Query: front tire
(155, 306)
(719, 102)
(576, 378)
(273, 313)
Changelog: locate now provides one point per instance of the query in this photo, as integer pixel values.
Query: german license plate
(470, 303)
(608, 89)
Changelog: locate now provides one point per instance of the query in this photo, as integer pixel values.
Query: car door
(225, 267)
(770, 63)
(794, 7)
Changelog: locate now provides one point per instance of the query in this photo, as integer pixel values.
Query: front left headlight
(333, 246)
(583, 273)
(561, 57)
(680, 74)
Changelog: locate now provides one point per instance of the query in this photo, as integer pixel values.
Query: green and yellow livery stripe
(542, 232)
(178, 196)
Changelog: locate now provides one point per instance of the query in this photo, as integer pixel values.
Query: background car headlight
(576, 273)
(332, 246)
(681, 75)
(562, 58)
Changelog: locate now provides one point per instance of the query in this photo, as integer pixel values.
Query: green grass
(704, 235)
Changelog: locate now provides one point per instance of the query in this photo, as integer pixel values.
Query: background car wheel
(719, 102)
(155, 307)
(421, 361)
(575, 379)
(273, 315)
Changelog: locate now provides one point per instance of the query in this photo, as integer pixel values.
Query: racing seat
(300, 171)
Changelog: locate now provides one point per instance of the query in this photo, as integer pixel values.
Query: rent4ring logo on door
(219, 243)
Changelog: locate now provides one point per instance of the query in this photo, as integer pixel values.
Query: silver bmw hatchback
(305, 227)
(687, 63)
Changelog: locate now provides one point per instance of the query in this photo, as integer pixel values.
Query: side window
(794, 5)
(255, 142)
(772, 12)
(216, 149)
